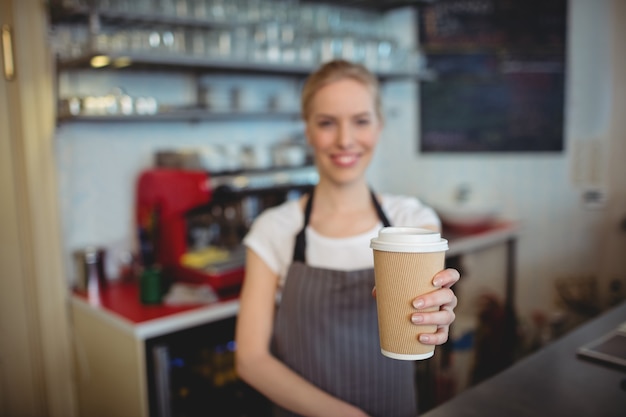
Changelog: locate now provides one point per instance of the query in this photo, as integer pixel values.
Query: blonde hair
(335, 71)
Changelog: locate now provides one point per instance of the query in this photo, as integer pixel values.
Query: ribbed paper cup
(405, 261)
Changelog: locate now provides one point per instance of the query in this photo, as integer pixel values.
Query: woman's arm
(258, 367)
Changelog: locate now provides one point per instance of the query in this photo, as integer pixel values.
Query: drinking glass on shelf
(321, 19)
(198, 9)
(166, 7)
(119, 41)
(122, 6)
(219, 43)
(284, 11)
(70, 41)
(258, 47)
(217, 10)
(196, 42)
(358, 50)
(287, 32)
(181, 8)
(272, 32)
(288, 53)
(142, 6)
(166, 39)
(348, 48)
(371, 54)
(139, 40)
(102, 5)
(252, 12)
(273, 52)
(61, 39)
(233, 11)
(306, 50)
(386, 53)
(272, 36)
(331, 47)
(154, 40)
(73, 3)
(306, 17)
(335, 19)
(241, 43)
(101, 42)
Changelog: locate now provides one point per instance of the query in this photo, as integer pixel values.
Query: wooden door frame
(36, 367)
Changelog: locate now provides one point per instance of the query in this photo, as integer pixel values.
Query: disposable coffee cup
(405, 261)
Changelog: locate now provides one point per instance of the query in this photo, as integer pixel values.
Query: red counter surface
(119, 303)
(123, 300)
(462, 241)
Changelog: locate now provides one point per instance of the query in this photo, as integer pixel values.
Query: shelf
(81, 13)
(473, 48)
(190, 115)
(93, 20)
(180, 61)
(376, 5)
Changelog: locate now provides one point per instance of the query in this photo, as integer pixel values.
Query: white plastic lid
(408, 239)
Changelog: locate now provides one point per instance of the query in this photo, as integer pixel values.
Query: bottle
(151, 285)
(90, 272)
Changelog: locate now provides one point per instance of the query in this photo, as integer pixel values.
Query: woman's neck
(342, 198)
(343, 211)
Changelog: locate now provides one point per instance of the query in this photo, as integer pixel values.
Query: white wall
(99, 162)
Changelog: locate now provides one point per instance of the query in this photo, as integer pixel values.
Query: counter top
(119, 304)
(551, 382)
(463, 242)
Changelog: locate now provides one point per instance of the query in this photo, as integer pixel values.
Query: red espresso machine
(180, 213)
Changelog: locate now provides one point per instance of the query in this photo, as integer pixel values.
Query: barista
(307, 329)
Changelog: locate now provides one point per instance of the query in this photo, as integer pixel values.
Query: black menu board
(499, 69)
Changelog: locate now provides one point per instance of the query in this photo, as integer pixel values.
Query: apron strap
(379, 209)
(300, 245)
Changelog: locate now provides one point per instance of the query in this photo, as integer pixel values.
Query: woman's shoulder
(273, 232)
(404, 210)
(285, 216)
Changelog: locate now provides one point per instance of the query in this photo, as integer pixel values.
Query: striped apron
(326, 329)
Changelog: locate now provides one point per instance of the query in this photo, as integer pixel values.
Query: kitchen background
(570, 203)
(563, 235)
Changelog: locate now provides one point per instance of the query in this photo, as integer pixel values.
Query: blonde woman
(307, 335)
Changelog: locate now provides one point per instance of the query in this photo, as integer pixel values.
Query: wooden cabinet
(113, 342)
(111, 366)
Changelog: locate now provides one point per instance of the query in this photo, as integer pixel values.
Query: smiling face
(343, 127)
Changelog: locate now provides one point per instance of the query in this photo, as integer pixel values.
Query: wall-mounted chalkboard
(500, 75)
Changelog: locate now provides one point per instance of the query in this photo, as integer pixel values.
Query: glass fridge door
(192, 373)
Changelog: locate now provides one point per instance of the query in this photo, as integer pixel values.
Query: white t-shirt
(273, 233)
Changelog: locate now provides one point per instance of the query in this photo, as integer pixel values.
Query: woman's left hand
(445, 300)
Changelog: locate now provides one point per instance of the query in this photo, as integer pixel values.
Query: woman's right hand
(445, 300)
